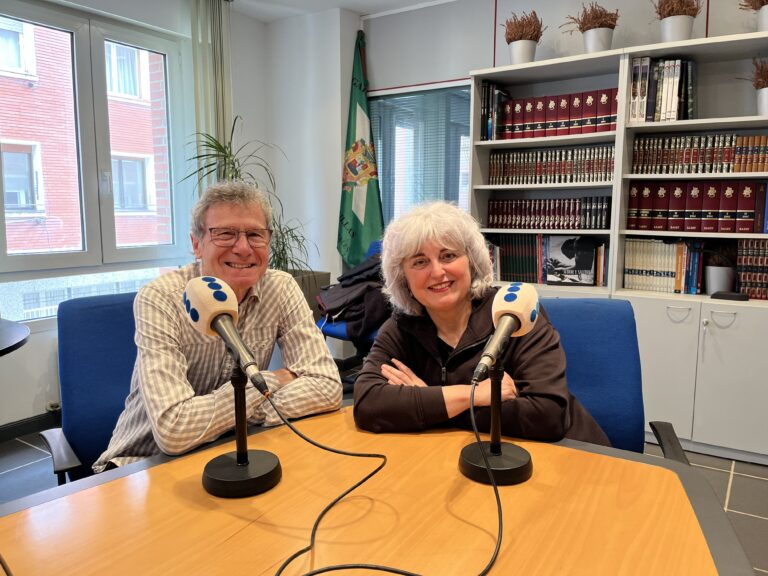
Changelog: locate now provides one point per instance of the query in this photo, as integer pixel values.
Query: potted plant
(596, 25)
(523, 33)
(719, 266)
(759, 6)
(760, 82)
(289, 248)
(676, 18)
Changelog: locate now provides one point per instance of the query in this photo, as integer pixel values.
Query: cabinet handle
(686, 309)
(723, 321)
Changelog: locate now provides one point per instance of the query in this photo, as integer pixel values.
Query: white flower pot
(762, 102)
(522, 51)
(676, 28)
(762, 19)
(598, 39)
(719, 279)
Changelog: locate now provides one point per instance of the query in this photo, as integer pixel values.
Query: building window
(129, 183)
(16, 46)
(122, 69)
(19, 186)
(422, 148)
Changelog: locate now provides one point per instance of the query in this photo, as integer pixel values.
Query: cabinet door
(667, 332)
(732, 383)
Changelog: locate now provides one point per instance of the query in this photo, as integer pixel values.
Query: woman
(437, 274)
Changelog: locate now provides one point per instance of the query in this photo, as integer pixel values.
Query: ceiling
(271, 10)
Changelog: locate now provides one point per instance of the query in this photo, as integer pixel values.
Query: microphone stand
(509, 463)
(244, 472)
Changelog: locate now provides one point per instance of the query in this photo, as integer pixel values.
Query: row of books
(663, 266)
(752, 268)
(505, 118)
(662, 90)
(552, 165)
(552, 260)
(700, 154)
(698, 206)
(589, 213)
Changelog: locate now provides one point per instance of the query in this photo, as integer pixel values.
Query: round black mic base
(223, 477)
(512, 466)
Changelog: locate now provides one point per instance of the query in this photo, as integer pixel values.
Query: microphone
(211, 307)
(515, 311)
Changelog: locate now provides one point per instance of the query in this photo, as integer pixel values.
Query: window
(129, 186)
(422, 148)
(89, 149)
(122, 69)
(19, 186)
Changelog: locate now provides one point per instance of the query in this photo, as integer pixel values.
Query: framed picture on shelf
(571, 261)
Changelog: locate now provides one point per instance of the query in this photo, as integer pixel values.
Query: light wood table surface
(580, 513)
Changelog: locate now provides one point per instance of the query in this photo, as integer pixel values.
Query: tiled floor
(25, 468)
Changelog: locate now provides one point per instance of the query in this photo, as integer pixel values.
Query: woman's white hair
(444, 224)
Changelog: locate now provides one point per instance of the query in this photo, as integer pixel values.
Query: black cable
(4, 566)
(324, 511)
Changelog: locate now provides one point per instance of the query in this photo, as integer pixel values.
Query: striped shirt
(181, 396)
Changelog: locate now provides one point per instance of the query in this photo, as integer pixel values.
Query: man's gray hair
(444, 224)
(234, 192)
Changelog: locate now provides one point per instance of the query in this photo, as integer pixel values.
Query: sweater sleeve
(383, 407)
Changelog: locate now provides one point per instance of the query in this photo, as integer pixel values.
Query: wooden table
(581, 513)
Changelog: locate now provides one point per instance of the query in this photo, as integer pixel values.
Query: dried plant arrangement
(759, 74)
(523, 27)
(754, 5)
(666, 8)
(592, 16)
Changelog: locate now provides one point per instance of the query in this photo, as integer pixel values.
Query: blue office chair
(96, 357)
(599, 337)
(338, 328)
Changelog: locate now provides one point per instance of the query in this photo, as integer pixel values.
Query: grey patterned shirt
(180, 394)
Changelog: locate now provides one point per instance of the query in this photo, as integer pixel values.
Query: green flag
(360, 215)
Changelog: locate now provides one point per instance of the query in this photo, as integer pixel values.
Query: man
(180, 394)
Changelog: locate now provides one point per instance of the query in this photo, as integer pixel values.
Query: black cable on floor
(4, 566)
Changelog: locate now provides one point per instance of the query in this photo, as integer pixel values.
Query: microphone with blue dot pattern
(211, 307)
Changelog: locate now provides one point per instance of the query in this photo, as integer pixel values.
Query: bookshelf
(691, 345)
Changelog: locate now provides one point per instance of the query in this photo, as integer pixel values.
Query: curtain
(211, 60)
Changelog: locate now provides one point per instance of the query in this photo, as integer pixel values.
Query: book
(634, 98)
(726, 219)
(518, 118)
(603, 110)
(539, 117)
(574, 125)
(642, 91)
(508, 121)
(528, 118)
(563, 114)
(745, 207)
(645, 208)
(660, 206)
(614, 107)
(633, 206)
(694, 196)
(589, 112)
(710, 206)
(653, 84)
(551, 116)
(571, 260)
(676, 214)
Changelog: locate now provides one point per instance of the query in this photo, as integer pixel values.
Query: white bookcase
(703, 376)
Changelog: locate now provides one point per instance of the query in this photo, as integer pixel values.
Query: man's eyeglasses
(228, 237)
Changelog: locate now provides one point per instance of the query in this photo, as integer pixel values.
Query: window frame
(100, 252)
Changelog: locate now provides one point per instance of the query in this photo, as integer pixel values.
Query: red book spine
(539, 117)
(726, 219)
(518, 118)
(508, 121)
(660, 206)
(745, 207)
(563, 114)
(694, 195)
(589, 112)
(528, 118)
(574, 124)
(676, 214)
(551, 116)
(710, 206)
(614, 107)
(633, 206)
(645, 208)
(760, 201)
(603, 110)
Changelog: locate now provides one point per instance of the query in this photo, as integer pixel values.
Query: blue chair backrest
(599, 337)
(96, 357)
